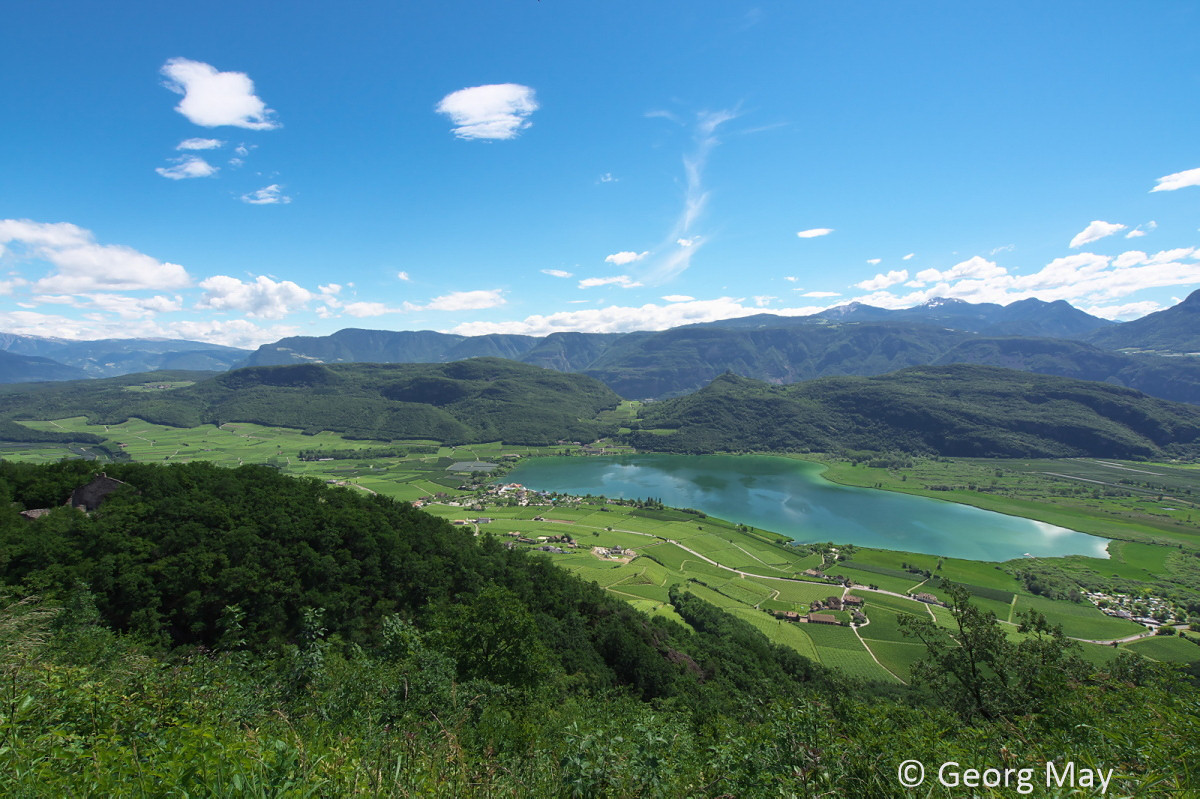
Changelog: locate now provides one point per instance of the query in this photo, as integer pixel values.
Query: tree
(979, 673)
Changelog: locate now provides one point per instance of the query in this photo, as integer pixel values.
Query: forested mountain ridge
(114, 357)
(34, 368)
(852, 339)
(1174, 330)
(481, 399)
(959, 410)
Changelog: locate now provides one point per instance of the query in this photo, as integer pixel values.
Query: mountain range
(855, 339)
(25, 359)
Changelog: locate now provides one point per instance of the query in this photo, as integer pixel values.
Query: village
(1151, 611)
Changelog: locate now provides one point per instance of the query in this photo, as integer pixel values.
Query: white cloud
(813, 233)
(1130, 258)
(364, 309)
(1178, 180)
(1130, 310)
(267, 195)
(263, 298)
(81, 265)
(1094, 232)
(1142, 230)
(624, 281)
(883, 281)
(127, 307)
(403, 276)
(622, 319)
(874, 261)
(607, 177)
(821, 294)
(689, 242)
(974, 267)
(1082, 279)
(199, 144)
(190, 166)
(229, 332)
(678, 298)
(556, 273)
(1166, 256)
(622, 258)
(763, 300)
(462, 301)
(212, 98)
(908, 257)
(498, 111)
(7, 286)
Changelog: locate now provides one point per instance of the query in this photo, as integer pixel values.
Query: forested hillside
(972, 411)
(228, 632)
(482, 399)
(1172, 331)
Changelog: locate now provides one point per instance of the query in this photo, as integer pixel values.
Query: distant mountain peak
(941, 302)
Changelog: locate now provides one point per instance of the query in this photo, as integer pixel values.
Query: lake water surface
(790, 497)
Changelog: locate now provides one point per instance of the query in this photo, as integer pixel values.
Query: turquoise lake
(790, 497)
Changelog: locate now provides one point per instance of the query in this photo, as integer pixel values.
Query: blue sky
(236, 173)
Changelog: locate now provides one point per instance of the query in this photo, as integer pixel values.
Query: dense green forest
(216, 632)
(481, 399)
(970, 411)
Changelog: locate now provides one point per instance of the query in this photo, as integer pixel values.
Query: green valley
(622, 616)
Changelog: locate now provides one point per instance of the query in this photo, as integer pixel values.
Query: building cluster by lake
(1152, 611)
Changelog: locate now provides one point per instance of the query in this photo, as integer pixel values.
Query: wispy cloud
(1142, 230)
(874, 261)
(212, 98)
(821, 294)
(674, 255)
(557, 273)
(403, 276)
(607, 177)
(624, 281)
(462, 301)
(496, 111)
(267, 195)
(362, 310)
(622, 319)
(815, 232)
(1178, 180)
(189, 166)
(199, 144)
(1094, 232)
(908, 257)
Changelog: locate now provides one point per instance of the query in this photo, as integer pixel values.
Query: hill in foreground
(958, 410)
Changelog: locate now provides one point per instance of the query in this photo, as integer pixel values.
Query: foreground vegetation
(222, 632)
